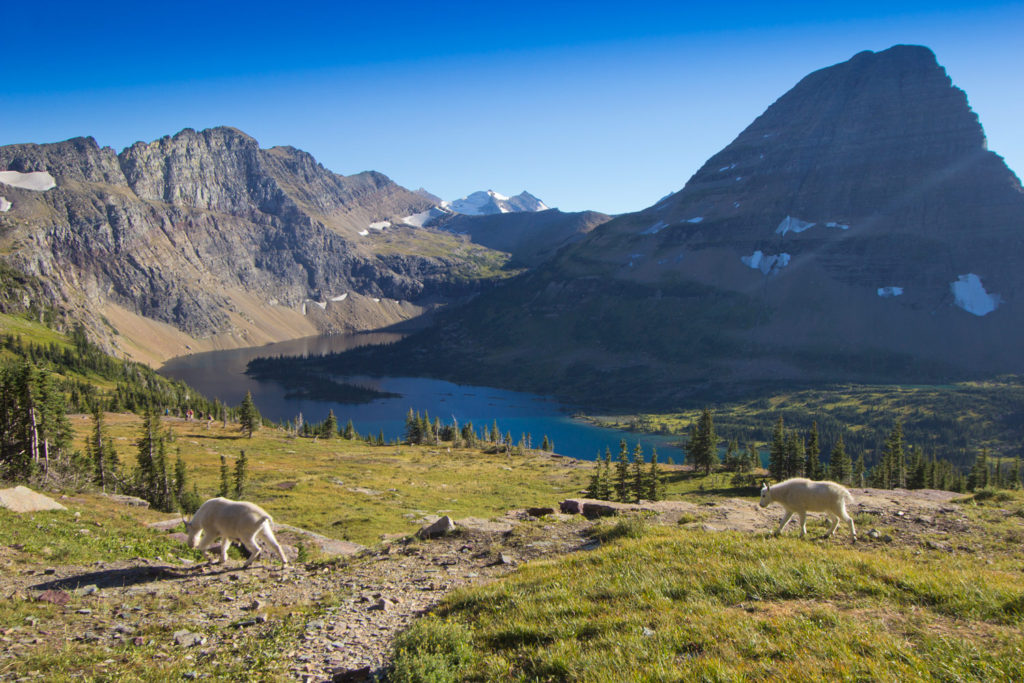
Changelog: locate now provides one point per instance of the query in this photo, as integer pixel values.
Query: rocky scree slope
(214, 237)
(857, 231)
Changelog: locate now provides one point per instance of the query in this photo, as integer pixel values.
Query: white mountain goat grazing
(800, 496)
(232, 520)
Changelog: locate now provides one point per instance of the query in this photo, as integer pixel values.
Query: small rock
(54, 597)
(188, 639)
(86, 590)
(382, 604)
(138, 641)
(359, 675)
(648, 632)
(874, 534)
(84, 610)
(441, 527)
(540, 511)
(505, 559)
(49, 571)
(255, 606)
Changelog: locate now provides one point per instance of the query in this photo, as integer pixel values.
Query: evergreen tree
(241, 466)
(330, 427)
(894, 457)
(752, 459)
(380, 437)
(839, 462)
(545, 444)
(639, 474)
(859, 470)
(1015, 474)
(703, 450)
(350, 431)
(793, 461)
(225, 478)
(495, 435)
(146, 459)
(622, 473)
(812, 460)
(180, 482)
(104, 456)
(732, 461)
(916, 468)
(977, 478)
(248, 416)
(655, 486)
(777, 452)
(599, 488)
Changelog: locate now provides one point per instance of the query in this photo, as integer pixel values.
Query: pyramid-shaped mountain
(858, 231)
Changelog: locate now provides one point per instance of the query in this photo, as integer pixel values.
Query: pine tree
(639, 474)
(180, 482)
(777, 452)
(812, 460)
(859, 470)
(225, 478)
(545, 444)
(622, 473)
(839, 462)
(895, 459)
(655, 486)
(732, 461)
(380, 437)
(248, 416)
(240, 475)
(146, 456)
(793, 461)
(916, 468)
(101, 449)
(977, 478)
(350, 431)
(598, 488)
(330, 427)
(703, 449)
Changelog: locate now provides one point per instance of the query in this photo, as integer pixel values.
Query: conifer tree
(622, 473)
(350, 431)
(812, 459)
(180, 482)
(895, 459)
(793, 461)
(777, 452)
(380, 437)
(225, 478)
(703, 449)
(639, 474)
(248, 416)
(146, 458)
(330, 426)
(241, 467)
(732, 460)
(839, 462)
(104, 456)
(859, 470)
(545, 444)
(655, 486)
(977, 478)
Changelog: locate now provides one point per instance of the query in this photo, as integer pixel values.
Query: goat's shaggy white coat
(232, 520)
(800, 496)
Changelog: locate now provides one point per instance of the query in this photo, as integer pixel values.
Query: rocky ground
(359, 603)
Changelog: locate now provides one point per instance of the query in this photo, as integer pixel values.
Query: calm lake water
(221, 374)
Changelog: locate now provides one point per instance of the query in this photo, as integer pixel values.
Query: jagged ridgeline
(205, 240)
(857, 231)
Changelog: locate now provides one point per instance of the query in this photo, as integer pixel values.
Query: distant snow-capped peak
(490, 202)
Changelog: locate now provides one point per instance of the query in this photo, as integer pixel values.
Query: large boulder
(24, 499)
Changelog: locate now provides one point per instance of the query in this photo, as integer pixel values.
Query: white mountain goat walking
(800, 496)
(232, 520)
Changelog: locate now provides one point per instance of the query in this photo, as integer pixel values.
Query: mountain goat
(231, 520)
(800, 496)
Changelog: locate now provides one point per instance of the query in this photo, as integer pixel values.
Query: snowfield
(37, 181)
(887, 292)
(970, 295)
(766, 263)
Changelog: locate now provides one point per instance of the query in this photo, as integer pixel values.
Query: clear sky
(588, 105)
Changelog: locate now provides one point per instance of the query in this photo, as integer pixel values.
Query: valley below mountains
(859, 230)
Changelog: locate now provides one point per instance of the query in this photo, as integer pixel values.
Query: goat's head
(765, 494)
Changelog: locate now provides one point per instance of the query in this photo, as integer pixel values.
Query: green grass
(351, 491)
(676, 604)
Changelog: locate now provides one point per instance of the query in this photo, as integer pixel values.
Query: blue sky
(596, 105)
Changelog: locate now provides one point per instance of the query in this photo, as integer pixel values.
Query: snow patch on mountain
(970, 295)
(490, 202)
(424, 218)
(5, 205)
(887, 292)
(37, 181)
(766, 263)
(379, 225)
(695, 219)
(655, 229)
(791, 224)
